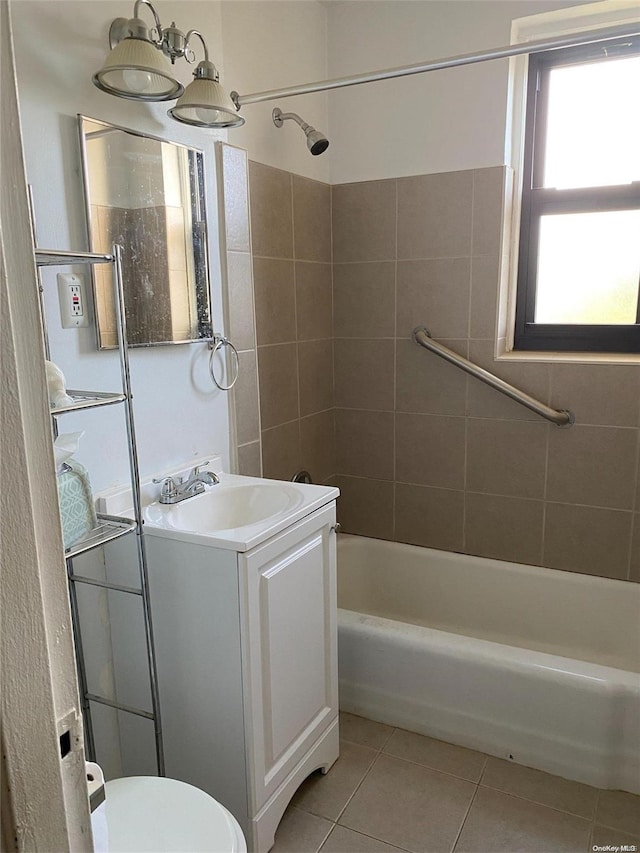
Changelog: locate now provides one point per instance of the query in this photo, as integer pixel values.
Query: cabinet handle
(336, 528)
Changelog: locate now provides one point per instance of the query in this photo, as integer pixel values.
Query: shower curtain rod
(538, 46)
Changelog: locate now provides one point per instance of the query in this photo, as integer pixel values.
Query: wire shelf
(88, 400)
(56, 258)
(109, 527)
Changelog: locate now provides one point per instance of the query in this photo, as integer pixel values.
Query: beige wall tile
(365, 507)
(499, 823)
(271, 211)
(311, 219)
(250, 460)
(236, 198)
(588, 540)
(317, 438)
(486, 402)
(281, 453)
(426, 383)
(435, 294)
(314, 300)
(275, 301)
(592, 465)
(245, 396)
(634, 569)
(364, 300)
(430, 450)
(485, 278)
(488, 190)
(504, 528)
(434, 215)
(364, 443)
(506, 457)
(278, 372)
(364, 221)
(364, 374)
(431, 517)
(315, 361)
(598, 393)
(240, 300)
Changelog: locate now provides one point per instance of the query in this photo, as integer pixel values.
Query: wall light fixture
(137, 68)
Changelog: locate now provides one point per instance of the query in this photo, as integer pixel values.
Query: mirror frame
(88, 219)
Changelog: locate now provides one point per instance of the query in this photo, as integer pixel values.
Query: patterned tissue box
(77, 513)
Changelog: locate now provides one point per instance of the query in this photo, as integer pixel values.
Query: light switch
(73, 303)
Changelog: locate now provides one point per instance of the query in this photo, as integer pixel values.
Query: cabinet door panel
(291, 649)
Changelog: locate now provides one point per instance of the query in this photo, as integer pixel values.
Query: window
(579, 263)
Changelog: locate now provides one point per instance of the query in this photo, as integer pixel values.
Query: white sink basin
(238, 513)
(226, 507)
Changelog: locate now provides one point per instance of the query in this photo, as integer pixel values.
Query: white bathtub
(529, 664)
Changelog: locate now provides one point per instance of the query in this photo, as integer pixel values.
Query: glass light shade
(137, 70)
(206, 104)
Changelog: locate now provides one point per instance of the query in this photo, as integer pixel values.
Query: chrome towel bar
(561, 417)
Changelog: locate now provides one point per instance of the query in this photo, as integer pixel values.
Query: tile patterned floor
(393, 791)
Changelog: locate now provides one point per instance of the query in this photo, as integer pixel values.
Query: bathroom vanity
(244, 619)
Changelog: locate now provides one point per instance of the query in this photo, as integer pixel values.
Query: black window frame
(537, 201)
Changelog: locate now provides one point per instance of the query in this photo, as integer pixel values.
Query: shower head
(316, 142)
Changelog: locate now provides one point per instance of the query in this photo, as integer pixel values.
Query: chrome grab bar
(561, 417)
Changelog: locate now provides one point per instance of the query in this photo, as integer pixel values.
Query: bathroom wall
(275, 44)
(436, 122)
(179, 414)
(428, 456)
(291, 247)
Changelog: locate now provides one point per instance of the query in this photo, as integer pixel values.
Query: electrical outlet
(73, 303)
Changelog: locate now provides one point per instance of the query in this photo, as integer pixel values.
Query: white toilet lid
(150, 814)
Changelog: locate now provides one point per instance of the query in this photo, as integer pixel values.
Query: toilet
(151, 814)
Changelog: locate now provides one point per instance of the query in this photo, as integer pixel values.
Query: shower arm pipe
(295, 117)
(537, 46)
(559, 417)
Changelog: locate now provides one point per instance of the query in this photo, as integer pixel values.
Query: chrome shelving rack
(109, 527)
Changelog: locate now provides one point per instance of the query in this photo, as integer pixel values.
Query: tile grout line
(457, 838)
(395, 366)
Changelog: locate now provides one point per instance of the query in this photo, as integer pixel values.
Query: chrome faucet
(173, 492)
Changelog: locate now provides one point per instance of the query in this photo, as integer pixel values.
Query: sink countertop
(303, 500)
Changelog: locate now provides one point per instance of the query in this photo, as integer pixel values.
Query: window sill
(503, 354)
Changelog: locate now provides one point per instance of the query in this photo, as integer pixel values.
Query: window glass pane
(593, 124)
(588, 268)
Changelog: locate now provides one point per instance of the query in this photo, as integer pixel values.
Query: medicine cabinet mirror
(147, 195)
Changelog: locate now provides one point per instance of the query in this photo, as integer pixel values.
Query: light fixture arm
(122, 28)
(156, 17)
(187, 39)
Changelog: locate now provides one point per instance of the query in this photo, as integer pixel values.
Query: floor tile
(300, 832)
(343, 840)
(327, 795)
(466, 763)
(363, 731)
(498, 823)
(409, 806)
(539, 787)
(604, 837)
(620, 811)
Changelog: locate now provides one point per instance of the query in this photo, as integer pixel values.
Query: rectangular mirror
(147, 195)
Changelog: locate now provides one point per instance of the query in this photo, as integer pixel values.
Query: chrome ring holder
(215, 345)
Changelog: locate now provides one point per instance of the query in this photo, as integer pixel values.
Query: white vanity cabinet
(247, 671)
